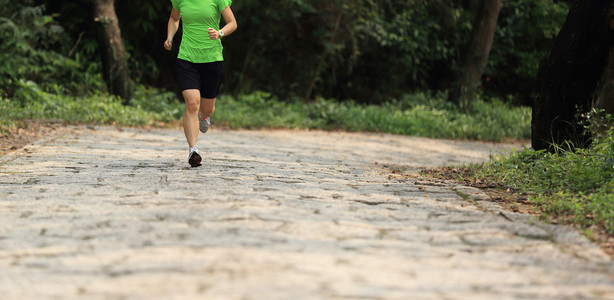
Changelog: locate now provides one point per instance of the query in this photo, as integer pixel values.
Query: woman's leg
(190, 116)
(207, 107)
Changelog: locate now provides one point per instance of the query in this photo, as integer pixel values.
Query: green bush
(29, 53)
(575, 186)
(378, 51)
(525, 32)
(148, 107)
(419, 115)
(382, 49)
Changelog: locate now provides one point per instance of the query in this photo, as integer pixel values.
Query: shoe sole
(195, 160)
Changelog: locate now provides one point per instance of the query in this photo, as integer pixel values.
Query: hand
(213, 34)
(168, 45)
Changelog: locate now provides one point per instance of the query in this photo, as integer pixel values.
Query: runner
(199, 63)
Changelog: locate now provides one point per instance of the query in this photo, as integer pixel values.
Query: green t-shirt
(197, 16)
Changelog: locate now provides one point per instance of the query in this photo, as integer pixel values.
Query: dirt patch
(29, 131)
(505, 196)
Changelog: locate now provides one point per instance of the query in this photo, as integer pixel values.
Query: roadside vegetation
(418, 115)
(39, 82)
(571, 186)
(149, 107)
(565, 186)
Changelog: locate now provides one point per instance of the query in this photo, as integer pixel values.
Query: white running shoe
(194, 158)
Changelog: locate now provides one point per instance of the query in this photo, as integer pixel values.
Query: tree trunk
(476, 54)
(569, 74)
(472, 6)
(605, 100)
(111, 49)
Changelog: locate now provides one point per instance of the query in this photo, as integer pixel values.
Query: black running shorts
(205, 77)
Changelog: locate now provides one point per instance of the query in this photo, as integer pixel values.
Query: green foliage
(371, 51)
(38, 82)
(525, 32)
(28, 55)
(419, 114)
(596, 122)
(143, 25)
(418, 38)
(148, 107)
(363, 50)
(382, 49)
(162, 104)
(574, 186)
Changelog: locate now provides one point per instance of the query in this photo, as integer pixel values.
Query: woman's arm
(230, 27)
(173, 26)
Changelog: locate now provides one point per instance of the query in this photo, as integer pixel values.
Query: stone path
(108, 214)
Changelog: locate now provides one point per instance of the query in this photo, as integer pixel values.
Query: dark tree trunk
(605, 100)
(472, 6)
(111, 49)
(569, 74)
(476, 54)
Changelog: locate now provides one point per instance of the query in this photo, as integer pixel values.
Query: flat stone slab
(103, 213)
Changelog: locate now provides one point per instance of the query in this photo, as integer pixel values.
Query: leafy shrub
(149, 107)
(419, 114)
(383, 49)
(525, 32)
(28, 53)
(370, 51)
(574, 186)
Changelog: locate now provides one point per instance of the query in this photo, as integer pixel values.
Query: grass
(571, 187)
(417, 115)
(149, 107)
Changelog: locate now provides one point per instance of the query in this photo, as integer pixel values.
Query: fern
(28, 53)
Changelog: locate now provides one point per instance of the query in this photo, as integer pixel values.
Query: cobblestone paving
(117, 214)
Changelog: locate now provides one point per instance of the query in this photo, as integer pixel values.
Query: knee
(192, 106)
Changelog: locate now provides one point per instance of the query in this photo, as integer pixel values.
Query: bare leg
(190, 116)
(207, 107)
